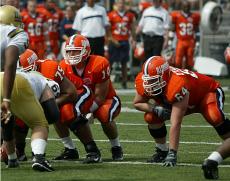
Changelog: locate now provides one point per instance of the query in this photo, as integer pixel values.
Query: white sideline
(145, 141)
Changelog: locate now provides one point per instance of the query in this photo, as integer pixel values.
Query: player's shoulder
(139, 84)
(175, 86)
(175, 13)
(98, 61)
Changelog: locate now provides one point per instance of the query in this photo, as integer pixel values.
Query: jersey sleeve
(101, 71)
(19, 38)
(53, 71)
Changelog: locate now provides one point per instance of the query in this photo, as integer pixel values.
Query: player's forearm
(11, 57)
(174, 136)
(144, 107)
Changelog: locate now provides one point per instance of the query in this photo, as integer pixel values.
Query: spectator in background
(154, 25)
(66, 26)
(54, 16)
(34, 25)
(122, 24)
(185, 24)
(91, 21)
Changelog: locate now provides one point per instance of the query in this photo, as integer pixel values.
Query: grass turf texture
(197, 143)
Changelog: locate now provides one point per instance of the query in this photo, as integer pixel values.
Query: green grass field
(198, 140)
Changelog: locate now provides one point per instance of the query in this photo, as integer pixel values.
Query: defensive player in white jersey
(17, 94)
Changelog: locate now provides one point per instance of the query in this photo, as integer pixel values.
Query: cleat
(68, 154)
(40, 164)
(117, 153)
(158, 157)
(210, 169)
(93, 157)
(12, 163)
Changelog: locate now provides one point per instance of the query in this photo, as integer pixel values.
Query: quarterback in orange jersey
(185, 23)
(176, 92)
(54, 16)
(34, 25)
(72, 104)
(122, 25)
(95, 73)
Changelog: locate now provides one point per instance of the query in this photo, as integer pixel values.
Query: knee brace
(158, 133)
(51, 111)
(7, 129)
(223, 128)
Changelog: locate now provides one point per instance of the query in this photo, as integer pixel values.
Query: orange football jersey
(96, 71)
(185, 26)
(34, 26)
(50, 69)
(121, 25)
(53, 20)
(182, 81)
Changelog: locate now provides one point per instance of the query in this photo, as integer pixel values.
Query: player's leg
(106, 114)
(157, 130)
(180, 52)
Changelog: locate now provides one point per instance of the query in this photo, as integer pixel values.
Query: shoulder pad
(14, 32)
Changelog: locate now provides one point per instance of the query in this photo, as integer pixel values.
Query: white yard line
(168, 125)
(147, 141)
(140, 163)
(130, 110)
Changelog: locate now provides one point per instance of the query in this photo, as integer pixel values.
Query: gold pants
(24, 103)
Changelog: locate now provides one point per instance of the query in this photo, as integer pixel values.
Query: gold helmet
(10, 15)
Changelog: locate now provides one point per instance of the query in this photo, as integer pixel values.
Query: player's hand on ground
(171, 159)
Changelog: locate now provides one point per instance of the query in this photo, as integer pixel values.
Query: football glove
(162, 112)
(171, 159)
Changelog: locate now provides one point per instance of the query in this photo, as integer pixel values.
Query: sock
(68, 142)
(38, 146)
(216, 157)
(162, 147)
(12, 156)
(115, 142)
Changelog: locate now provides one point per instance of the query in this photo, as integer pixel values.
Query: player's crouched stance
(28, 90)
(176, 93)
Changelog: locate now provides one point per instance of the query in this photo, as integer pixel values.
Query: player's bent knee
(151, 118)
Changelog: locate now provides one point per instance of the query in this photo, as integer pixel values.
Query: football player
(94, 71)
(210, 165)
(53, 16)
(73, 104)
(35, 25)
(185, 24)
(13, 42)
(30, 92)
(177, 92)
(122, 26)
